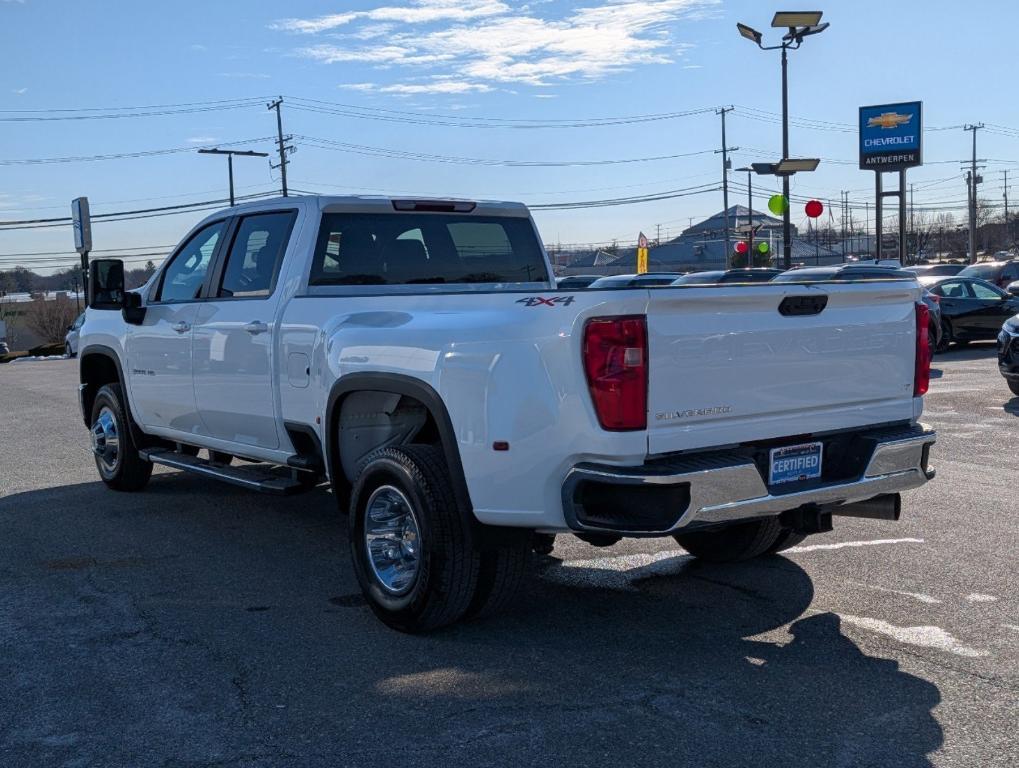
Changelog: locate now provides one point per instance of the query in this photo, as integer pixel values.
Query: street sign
(642, 246)
(82, 224)
(891, 136)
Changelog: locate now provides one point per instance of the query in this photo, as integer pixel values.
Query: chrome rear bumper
(703, 490)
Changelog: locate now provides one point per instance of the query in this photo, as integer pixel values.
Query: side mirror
(134, 312)
(1013, 288)
(106, 284)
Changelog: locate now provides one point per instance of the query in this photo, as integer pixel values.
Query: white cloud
(202, 140)
(418, 12)
(487, 44)
(433, 86)
(20, 91)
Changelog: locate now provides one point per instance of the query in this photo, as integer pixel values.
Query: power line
(462, 121)
(123, 155)
(97, 250)
(400, 154)
(141, 213)
(18, 116)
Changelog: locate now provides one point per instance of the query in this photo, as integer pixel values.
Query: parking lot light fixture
(793, 19)
(791, 165)
(749, 33)
(800, 24)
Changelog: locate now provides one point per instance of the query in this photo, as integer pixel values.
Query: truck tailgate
(727, 367)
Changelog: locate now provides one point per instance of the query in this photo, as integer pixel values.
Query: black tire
(742, 541)
(448, 561)
(501, 574)
(1014, 386)
(946, 336)
(787, 538)
(127, 470)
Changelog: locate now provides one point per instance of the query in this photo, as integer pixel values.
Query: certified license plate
(795, 462)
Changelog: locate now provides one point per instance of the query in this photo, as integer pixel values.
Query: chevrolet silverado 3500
(417, 355)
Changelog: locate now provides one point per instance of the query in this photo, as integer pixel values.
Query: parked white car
(418, 355)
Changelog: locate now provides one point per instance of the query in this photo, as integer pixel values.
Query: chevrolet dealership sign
(891, 136)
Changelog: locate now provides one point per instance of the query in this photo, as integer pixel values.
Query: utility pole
(1008, 232)
(725, 150)
(866, 225)
(844, 205)
(284, 148)
(658, 236)
(973, 180)
(912, 226)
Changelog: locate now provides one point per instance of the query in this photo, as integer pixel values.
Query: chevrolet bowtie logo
(888, 120)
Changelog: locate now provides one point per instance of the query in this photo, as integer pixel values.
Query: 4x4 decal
(551, 301)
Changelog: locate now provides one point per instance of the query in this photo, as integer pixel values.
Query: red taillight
(922, 371)
(615, 361)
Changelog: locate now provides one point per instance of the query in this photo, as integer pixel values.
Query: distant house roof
(702, 253)
(593, 259)
(738, 216)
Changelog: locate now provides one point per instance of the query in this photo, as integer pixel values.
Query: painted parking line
(922, 636)
(919, 596)
(848, 544)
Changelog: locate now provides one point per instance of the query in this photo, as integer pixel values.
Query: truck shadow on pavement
(195, 623)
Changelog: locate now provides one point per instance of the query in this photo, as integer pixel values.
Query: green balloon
(762, 247)
(777, 204)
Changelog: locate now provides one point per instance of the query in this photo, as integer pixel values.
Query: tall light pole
(800, 24)
(230, 162)
(750, 212)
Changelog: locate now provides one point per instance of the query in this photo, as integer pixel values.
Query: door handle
(256, 327)
(181, 327)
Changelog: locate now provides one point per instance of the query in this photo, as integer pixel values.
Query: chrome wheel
(106, 441)
(392, 539)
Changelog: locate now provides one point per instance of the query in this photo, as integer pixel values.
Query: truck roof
(385, 204)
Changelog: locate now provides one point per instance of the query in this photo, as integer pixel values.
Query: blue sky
(484, 59)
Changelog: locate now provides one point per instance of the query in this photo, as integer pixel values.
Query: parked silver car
(71, 339)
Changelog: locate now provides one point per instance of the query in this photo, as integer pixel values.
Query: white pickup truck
(418, 356)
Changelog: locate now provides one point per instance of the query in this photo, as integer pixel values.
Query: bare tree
(50, 319)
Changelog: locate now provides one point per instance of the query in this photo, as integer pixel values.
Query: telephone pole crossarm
(281, 143)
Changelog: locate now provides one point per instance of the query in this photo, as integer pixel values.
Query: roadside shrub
(49, 319)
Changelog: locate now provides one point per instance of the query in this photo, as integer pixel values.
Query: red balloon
(814, 209)
(741, 247)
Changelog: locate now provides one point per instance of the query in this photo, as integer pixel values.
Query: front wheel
(742, 541)
(117, 459)
(1013, 384)
(412, 546)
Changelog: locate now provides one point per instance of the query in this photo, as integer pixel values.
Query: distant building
(702, 245)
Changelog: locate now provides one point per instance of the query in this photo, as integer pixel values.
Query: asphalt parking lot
(197, 624)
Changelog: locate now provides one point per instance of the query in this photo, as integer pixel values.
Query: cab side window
(256, 254)
(953, 289)
(183, 278)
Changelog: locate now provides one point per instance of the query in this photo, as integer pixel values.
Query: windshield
(426, 248)
(983, 271)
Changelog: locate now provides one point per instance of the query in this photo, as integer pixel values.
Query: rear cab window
(421, 249)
